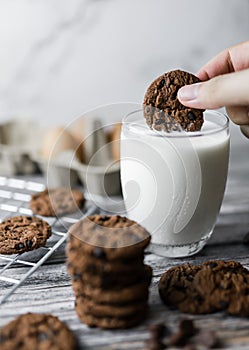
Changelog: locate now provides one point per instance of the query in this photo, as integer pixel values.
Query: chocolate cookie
(37, 331)
(176, 289)
(210, 287)
(112, 322)
(126, 295)
(227, 287)
(110, 237)
(114, 280)
(23, 233)
(88, 306)
(162, 109)
(56, 202)
(81, 262)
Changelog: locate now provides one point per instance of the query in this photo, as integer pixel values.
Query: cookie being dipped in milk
(174, 162)
(162, 109)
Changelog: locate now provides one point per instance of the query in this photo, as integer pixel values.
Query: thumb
(224, 90)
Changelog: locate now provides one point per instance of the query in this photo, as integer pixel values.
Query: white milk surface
(174, 186)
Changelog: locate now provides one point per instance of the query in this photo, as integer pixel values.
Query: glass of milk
(173, 183)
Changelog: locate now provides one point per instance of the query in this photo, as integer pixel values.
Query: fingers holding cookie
(162, 109)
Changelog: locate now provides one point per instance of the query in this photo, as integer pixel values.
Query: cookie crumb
(158, 330)
(187, 327)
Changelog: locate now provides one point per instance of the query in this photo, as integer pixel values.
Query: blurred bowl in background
(19, 138)
(87, 150)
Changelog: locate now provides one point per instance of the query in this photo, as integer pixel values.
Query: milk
(173, 184)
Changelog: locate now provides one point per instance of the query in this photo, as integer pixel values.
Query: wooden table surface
(49, 289)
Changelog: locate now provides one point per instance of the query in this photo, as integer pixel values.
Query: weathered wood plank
(49, 290)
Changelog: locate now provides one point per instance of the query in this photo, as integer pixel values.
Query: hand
(226, 83)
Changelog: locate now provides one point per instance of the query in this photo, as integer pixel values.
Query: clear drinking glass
(173, 183)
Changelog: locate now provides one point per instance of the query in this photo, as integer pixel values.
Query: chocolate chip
(159, 121)
(174, 95)
(158, 330)
(105, 218)
(198, 298)
(224, 304)
(178, 339)
(92, 269)
(43, 336)
(161, 84)
(187, 327)
(246, 291)
(108, 281)
(99, 253)
(180, 288)
(19, 246)
(29, 244)
(147, 109)
(186, 331)
(213, 265)
(77, 276)
(190, 278)
(191, 116)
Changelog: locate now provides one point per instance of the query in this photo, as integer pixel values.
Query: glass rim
(183, 134)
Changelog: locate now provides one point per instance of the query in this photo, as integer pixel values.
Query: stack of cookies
(109, 278)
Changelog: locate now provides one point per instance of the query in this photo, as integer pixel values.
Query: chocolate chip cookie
(111, 237)
(88, 306)
(23, 233)
(227, 287)
(117, 279)
(210, 287)
(105, 257)
(162, 109)
(86, 264)
(37, 331)
(56, 202)
(126, 295)
(176, 289)
(112, 322)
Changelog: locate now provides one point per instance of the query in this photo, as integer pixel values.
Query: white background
(59, 58)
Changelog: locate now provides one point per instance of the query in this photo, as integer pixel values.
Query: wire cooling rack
(14, 200)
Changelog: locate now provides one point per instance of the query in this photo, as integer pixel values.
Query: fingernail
(245, 130)
(188, 92)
